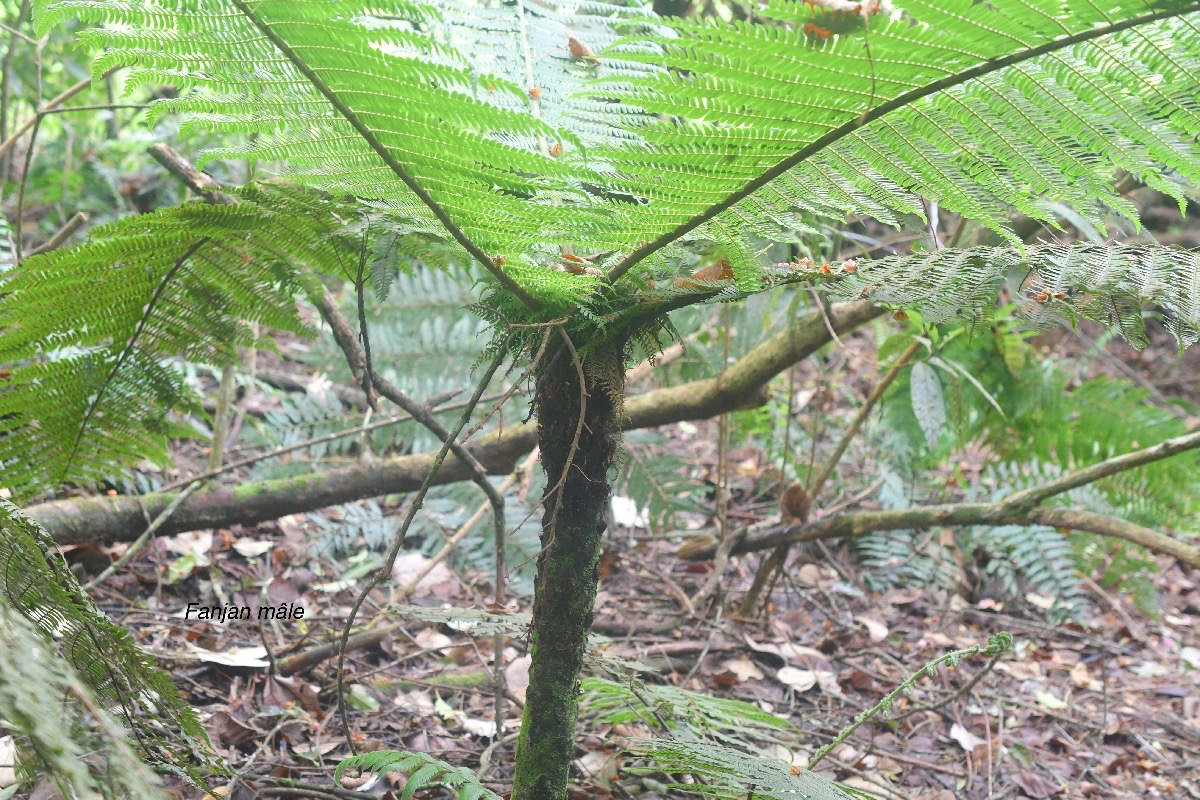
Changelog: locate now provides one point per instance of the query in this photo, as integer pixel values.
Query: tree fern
(680, 125)
(524, 132)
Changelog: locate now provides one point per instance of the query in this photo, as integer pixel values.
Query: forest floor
(1108, 707)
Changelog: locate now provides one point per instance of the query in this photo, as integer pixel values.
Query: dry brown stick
(778, 558)
(307, 659)
(191, 177)
(65, 232)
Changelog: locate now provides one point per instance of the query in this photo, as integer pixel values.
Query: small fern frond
(733, 774)
(424, 770)
(1032, 558)
(88, 333)
(1107, 283)
(36, 584)
(691, 715)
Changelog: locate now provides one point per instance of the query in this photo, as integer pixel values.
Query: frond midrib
(901, 101)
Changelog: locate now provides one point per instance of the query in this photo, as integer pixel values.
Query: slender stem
(6, 76)
(997, 645)
(398, 538)
(814, 489)
(1037, 494)
(223, 416)
(778, 557)
(50, 104)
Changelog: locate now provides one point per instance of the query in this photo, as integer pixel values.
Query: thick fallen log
(741, 386)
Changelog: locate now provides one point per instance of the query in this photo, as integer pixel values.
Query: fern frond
(36, 584)
(733, 774)
(984, 109)
(87, 333)
(1107, 283)
(425, 771)
(702, 129)
(445, 90)
(691, 715)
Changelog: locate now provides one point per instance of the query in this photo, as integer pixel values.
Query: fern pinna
(581, 152)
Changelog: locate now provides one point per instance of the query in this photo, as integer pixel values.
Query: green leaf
(425, 772)
(928, 403)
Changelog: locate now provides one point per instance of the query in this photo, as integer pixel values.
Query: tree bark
(576, 458)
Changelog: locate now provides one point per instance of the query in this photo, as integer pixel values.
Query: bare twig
(52, 103)
(398, 538)
(845, 526)
(65, 232)
(1112, 466)
(191, 177)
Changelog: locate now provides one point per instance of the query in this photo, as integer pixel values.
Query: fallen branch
(741, 386)
(847, 526)
(1020, 508)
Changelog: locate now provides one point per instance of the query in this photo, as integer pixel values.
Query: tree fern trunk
(569, 563)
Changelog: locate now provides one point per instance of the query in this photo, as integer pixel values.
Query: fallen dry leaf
(966, 740)
(744, 668)
(799, 679)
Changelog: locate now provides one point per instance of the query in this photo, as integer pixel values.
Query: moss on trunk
(569, 563)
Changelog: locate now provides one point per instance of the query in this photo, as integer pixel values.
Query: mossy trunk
(569, 563)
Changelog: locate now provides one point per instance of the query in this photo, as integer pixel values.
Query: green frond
(728, 773)
(446, 89)
(984, 109)
(424, 771)
(690, 715)
(38, 586)
(88, 333)
(696, 129)
(1107, 283)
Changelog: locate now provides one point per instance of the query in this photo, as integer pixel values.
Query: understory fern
(724, 772)
(36, 584)
(690, 715)
(1035, 426)
(424, 770)
(88, 334)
